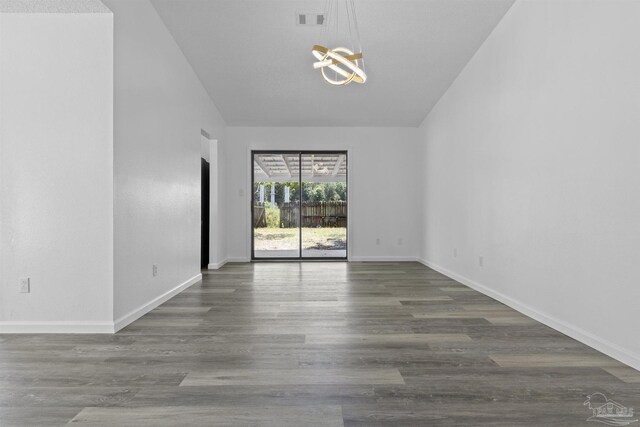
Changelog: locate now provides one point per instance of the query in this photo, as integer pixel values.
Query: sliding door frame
(300, 153)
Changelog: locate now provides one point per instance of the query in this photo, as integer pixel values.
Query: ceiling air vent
(310, 19)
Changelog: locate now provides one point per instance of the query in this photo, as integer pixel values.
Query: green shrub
(273, 217)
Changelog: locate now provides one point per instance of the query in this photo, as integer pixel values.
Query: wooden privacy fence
(289, 215)
(314, 214)
(259, 216)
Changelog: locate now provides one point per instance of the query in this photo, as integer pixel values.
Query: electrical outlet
(25, 285)
(378, 241)
(400, 241)
(455, 252)
(481, 261)
(155, 270)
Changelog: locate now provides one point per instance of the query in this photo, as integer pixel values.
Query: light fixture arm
(345, 63)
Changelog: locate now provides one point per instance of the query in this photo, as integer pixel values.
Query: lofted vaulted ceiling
(256, 62)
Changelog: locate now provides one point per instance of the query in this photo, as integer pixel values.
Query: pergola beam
(286, 164)
(262, 166)
(336, 169)
(313, 171)
(305, 178)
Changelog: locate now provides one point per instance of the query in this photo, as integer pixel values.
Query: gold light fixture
(346, 65)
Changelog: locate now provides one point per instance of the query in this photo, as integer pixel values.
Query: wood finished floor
(321, 344)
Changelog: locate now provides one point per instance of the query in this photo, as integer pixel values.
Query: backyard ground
(272, 239)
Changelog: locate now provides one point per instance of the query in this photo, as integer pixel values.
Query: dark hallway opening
(204, 250)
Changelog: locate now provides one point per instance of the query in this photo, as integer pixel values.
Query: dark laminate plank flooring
(323, 344)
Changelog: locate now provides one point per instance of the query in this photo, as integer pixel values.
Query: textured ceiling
(256, 63)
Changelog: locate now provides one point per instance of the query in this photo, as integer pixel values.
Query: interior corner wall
(217, 210)
(56, 171)
(384, 197)
(221, 234)
(160, 109)
(531, 162)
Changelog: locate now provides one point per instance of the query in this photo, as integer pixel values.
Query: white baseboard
(598, 343)
(351, 258)
(92, 327)
(217, 265)
(147, 307)
(382, 258)
(11, 327)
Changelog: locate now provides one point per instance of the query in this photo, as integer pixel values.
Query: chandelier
(339, 65)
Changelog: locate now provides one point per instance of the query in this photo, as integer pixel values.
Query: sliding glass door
(299, 205)
(324, 205)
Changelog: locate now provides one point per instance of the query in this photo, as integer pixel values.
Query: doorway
(204, 213)
(299, 205)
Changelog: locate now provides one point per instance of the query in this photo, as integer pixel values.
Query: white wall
(56, 176)
(160, 109)
(212, 152)
(217, 206)
(219, 234)
(383, 191)
(532, 160)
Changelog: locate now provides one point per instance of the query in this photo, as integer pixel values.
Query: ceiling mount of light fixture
(340, 66)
